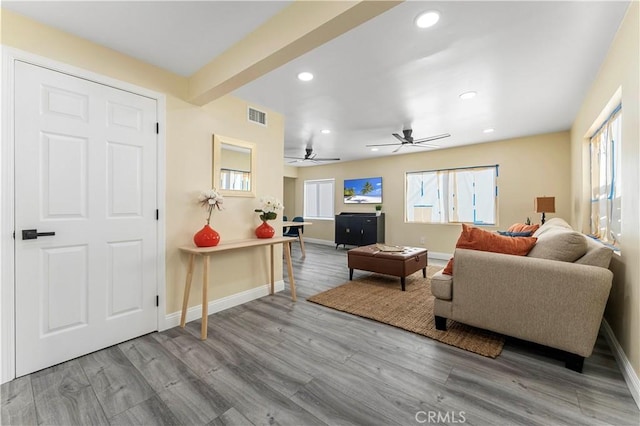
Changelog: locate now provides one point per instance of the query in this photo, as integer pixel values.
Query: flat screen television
(363, 191)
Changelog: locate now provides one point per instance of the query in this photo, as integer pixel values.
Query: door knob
(32, 234)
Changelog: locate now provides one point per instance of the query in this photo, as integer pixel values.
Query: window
(318, 199)
(236, 180)
(468, 194)
(606, 194)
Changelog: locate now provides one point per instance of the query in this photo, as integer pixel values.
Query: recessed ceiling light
(305, 76)
(427, 19)
(468, 95)
(488, 130)
(374, 149)
(325, 131)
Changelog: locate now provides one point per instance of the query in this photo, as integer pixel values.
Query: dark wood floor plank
(150, 412)
(508, 394)
(256, 401)
(231, 417)
(192, 352)
(116, 382)
(188, 397)
(18, 406)
(334, 407)
(64, 396)
(607, 408)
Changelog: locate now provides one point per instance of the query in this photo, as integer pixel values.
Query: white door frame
(7, 227)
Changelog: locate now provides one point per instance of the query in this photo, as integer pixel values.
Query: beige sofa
(554, 296)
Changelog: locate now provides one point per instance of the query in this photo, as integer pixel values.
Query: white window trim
(333, 198)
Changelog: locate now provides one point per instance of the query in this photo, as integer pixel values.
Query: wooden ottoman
(396, 263)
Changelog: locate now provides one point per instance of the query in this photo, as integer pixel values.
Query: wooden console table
(206, 252)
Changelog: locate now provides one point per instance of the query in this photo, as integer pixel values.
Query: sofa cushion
(560, 244)
(441, 285)
(597, 254)
(521, 227)
(551, 224)
(478, 239)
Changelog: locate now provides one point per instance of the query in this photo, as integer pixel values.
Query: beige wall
(620, 70)
(189, 131)
(289, 197)
(529, 167)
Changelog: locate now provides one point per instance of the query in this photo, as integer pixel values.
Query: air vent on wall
(257, 116)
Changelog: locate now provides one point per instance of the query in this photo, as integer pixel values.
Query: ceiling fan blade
(398, 148)
(400, 138)
(432, 138)
(293, 158)
(326, 159)
(295, 161)
(423, 145)
(384, 144)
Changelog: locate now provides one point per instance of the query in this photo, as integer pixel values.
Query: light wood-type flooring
(275, 362)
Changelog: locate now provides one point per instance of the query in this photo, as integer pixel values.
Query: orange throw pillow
(473, 238)
(521, 227)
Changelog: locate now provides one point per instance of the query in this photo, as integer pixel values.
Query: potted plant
(378, 209)
(269, 206)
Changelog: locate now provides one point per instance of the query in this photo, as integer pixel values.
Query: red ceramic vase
(206, 237)
(265, 230)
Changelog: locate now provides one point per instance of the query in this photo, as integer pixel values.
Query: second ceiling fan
(310, 156)
(407, 139)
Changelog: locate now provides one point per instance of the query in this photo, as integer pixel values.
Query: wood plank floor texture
(275, 362)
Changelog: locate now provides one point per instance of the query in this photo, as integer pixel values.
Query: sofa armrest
(558, 304)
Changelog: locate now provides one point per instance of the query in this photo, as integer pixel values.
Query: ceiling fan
(406, 139)
(310, 156)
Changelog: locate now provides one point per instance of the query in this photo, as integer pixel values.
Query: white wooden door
(85, 169)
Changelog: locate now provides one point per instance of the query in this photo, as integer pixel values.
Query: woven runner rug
(379, 297)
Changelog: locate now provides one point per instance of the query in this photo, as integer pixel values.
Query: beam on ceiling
(296, 30)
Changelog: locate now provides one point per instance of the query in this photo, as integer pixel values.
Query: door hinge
(14, 235)
(157, 300)
(157, 128)
(157, 214)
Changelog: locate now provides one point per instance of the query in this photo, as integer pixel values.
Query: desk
(206, 252)
(291, 224)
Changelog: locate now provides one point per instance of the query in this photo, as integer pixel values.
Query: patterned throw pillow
(515, 234)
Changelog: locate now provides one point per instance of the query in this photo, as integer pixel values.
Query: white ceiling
(179, 36)
(531, 64)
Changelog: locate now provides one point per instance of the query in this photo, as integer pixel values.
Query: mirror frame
(218, 140)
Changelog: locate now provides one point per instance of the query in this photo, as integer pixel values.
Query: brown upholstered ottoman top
(374, 250)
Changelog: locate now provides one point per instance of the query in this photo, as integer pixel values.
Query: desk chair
(285, 229)
(296, 231)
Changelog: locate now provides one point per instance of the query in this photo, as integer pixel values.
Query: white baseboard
(195, 312)
(439, 256)
(629, 374)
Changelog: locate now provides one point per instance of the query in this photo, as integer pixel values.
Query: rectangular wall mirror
(234, 166)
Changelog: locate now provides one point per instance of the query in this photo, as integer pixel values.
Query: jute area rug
(379, 297)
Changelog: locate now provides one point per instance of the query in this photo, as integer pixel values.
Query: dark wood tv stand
(359, 229)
